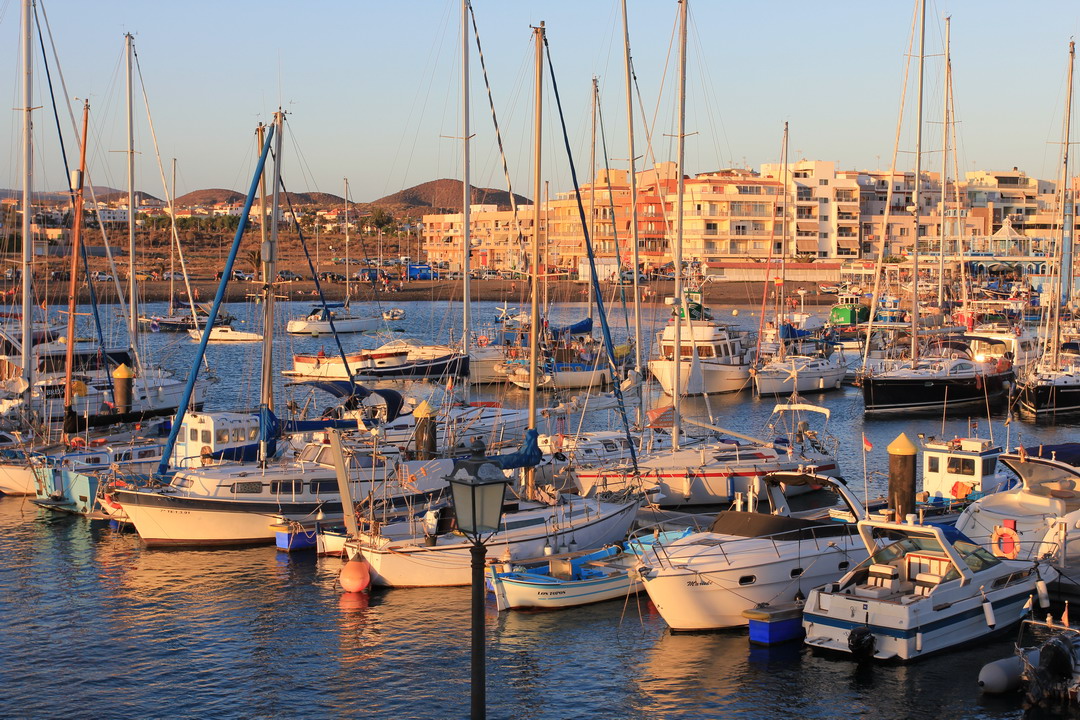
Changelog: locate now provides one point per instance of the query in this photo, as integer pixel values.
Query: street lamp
(478, 486)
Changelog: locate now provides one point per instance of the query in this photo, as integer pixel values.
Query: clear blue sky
(372, 86)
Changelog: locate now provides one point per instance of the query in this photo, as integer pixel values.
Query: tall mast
(466, 195)
(534, 262)
(784, 243)
(638, 365)
(27, 240)
(917, 190)
(269, 262)
(133, 288)
(944, 171)
(76, 238)
(592, 190)
(1065, 251)
(680, 301)
(260, 139)
(172, 245)
(348, 267)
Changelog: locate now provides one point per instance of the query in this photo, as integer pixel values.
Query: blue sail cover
(1065, 452)
(528, 456)
(581, 327)
(347, 388)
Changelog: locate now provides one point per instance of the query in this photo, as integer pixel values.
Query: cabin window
(961, 466)
(248, 488)
(182, 482)
(324, 486)
(143, 454)
(705, 351)
(122, 457)
(288, 487)
(748, 579)
(989, 466)
(796, 572)
(687, 350)
(609, 446)
(669, 352)
(961, 368)
(193, 436)
(933, 464)
(253, 432)
(206, 437)
(237, 434)
(223, 435)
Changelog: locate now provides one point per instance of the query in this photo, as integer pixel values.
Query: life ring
(483, 341)
(1005, 543)
(1019, 331)
(77, 441)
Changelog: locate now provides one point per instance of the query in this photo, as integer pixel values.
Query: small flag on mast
(867, 446)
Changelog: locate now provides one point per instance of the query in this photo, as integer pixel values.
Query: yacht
(713, 359)
(800, 373)
(318, 321)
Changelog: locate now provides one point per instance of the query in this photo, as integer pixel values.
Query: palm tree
(254, 257)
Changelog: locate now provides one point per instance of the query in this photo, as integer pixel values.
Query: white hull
(518, 593)
(410, 563)
(16, 478)
(706, 591)
(701, 377)
(342, 325)
(776, 379)
(225, 334)
(484, 365)
(565, 380)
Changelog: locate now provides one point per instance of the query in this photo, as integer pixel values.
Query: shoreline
(735, 292)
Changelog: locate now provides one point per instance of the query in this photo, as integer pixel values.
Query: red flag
(662, 417)
(867, 446)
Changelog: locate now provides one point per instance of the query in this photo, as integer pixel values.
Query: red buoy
(355, 575)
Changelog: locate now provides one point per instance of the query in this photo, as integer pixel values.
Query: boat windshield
(925, 549)
(977, 558)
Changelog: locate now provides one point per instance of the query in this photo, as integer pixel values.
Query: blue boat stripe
(911, 632)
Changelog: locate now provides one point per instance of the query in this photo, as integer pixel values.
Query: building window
(823, 182)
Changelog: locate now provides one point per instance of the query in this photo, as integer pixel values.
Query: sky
(373, 89)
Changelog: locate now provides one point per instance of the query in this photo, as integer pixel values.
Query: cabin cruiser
(318, 321)
(394, 360)
(1037, 518)
(923, 589)
(178, 322)
(800, 373)
(713, 359)
(760, 555)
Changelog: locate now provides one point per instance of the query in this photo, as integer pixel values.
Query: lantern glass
(478, 491)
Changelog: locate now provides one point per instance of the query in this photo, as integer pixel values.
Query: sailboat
(1054, 384)
(950, 382)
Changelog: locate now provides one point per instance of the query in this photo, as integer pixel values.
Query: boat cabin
(203, 434)
(955, 469)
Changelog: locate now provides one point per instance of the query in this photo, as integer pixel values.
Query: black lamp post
(478, 486)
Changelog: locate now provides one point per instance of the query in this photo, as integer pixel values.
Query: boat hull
(894, 395)
(1057, 396)
(343, 325)
(782, 382)
(522, 592)
(701, 378)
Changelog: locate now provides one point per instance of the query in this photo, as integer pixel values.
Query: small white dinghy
(393, 314)
(224, 333)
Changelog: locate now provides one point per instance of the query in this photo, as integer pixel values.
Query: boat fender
(483, 341)
(1002, 676)
(355, 575)
(988, 612)
(1044, 594)
(861, 642)
(1005, 542)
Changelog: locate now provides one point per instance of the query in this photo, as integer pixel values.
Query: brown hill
(209, 197)
(444, 195)
(121, 196)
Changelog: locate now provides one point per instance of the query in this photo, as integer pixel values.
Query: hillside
(443, 195)
(209, 197)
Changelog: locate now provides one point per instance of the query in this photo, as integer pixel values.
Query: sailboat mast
(76, 238)
(269, 262)
(592, 189)
(1065, 270)
(466, 194)
(917, 190)
(172, 245)
(784, 243)
(348, 266)
(638, 364)
(27, 240)
(944, 171)
(133, 289)
(534, 262)
(680, 301)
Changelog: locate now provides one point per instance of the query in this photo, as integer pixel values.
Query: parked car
(288, 276)
(331, 277)
(100, 276)
(236, 275)
(626, 277)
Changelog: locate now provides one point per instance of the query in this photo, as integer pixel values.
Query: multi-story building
(498, 236)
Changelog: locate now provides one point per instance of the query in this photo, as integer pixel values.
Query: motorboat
(177, 322)
(713, 359)
(333, 317)
(800, 373)
(751, 557)
(1037, 518)
(226, 334)
(710, 472)
(922, 590)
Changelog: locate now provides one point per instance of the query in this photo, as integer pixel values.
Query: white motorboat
(318, 321)
(226, 334)
(416, 553)
(561, 376)
(1036, 519)
(714, 359)
(800, 373)
(706, 580)
(921, 591)
(710, 472)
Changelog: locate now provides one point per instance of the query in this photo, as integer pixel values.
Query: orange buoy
(355, 575)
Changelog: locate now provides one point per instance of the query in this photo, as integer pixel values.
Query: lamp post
(478, 486)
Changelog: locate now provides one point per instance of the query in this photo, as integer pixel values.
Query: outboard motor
(1049, 681)
(861, 643)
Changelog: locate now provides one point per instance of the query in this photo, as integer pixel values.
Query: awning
(806, 245)
(850, 243)
(806, 224)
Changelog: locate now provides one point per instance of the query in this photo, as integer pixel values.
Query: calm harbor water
(94, 625)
